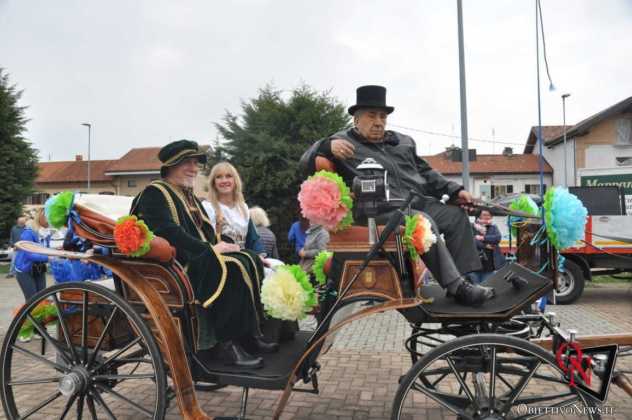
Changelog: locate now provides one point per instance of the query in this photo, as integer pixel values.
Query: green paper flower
(409, 228)
(525, 204)
(548, 216)
(319, 266)
(57, 208)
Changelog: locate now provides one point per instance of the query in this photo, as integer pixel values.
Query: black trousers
(453, 255)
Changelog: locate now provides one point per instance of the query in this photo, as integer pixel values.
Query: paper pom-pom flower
(525, 204)
(44, 313)
(418, 236)
(326, 200)
(319, 266)
(287, 293)
(565, 217)
(132, 236)
(57, 208)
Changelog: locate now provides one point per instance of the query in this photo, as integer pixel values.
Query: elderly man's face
(371, 123)
(184, 173)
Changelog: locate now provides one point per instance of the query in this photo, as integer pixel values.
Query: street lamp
(564, 96)
(89, 134)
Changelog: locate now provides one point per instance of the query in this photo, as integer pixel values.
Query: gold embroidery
(182, 198)
(179, 155)
(254, 267)
(170, 203)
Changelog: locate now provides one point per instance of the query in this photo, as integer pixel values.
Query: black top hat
(175, 152)
(371, 96)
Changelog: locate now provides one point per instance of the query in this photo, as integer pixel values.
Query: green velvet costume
(227, 285)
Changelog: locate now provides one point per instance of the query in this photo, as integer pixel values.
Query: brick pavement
(359, 374)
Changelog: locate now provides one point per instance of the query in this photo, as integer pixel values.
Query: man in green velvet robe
(225, 280)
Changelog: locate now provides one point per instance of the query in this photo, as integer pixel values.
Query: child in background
(316, 240)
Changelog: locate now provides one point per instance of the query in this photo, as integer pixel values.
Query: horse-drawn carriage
(129, 348)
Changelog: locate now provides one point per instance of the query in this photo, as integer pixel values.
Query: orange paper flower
(132, 236)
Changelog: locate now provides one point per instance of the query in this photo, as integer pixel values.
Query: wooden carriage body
(159, 290)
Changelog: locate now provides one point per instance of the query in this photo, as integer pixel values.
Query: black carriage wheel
(491, 377)
(100, 361)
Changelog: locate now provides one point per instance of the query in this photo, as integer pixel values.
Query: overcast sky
(147, 72)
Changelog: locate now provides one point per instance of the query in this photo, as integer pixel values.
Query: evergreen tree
(266, 142)
(18, 160)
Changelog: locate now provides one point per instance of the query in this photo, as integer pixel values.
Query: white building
(494, 175)
(598, 150)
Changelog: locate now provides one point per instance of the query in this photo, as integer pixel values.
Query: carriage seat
(97, 218)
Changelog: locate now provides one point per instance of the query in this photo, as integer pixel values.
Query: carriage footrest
(274, 374)
(516, 287)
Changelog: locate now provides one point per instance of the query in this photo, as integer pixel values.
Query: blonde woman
(268, 239)
(227, 209)
(31, 268)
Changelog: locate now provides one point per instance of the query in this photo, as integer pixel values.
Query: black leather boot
(263, 346)
(473, 295)
(236, 355)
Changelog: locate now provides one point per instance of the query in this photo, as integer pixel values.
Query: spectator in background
(316, 240)
(16, 232)
(266, 236)
(487, 238)
(297, 233)
(31, 268)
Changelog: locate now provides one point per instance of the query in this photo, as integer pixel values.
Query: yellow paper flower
(283, 297)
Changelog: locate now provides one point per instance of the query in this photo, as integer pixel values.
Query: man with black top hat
(225, 280)
(448, 261)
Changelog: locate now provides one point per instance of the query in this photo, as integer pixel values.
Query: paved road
(360, 372)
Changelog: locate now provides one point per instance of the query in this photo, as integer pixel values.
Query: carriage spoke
(68, 406)
(84, 328)
(443, 375)
(42, 331)
(503, 380)
(35, 381)
(99, 400)
(453, 403)
(125, 399)
(80, 408)
(52, 397)
(91, 409)
(40, 358)
(64, 328)
(97, 347)
(113, 357)
(520, 387)
(120, 378)
(492, 379)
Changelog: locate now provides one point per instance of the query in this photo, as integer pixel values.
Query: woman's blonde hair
(259, 217)
(34, 223)
(238, 195)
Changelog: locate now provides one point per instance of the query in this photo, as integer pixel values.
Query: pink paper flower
(320, 201)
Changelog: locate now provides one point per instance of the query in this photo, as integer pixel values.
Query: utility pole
(465, 153)
(564, 96)
(89, 135)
